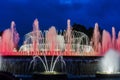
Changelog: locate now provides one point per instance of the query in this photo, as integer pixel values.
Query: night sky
(56, 12)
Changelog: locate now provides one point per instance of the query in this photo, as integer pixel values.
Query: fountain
(52, 39)
(9, 40)
(108, 47)
(102, 44)
(109, 64)
(47, 47)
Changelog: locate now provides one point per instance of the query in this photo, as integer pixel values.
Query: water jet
(109, 65)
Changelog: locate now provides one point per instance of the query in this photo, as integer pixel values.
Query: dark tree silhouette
(88, 32)
(78, 27)
(1, 32)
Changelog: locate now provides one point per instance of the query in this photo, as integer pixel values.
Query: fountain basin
(108, 74)
(49, 75)
(7, 76)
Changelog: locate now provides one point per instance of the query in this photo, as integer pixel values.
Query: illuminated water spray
(9, 39)
(109, 64)
(54, 43)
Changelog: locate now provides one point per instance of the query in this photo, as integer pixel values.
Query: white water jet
(0, 63)
(61, 42)
(51, 67)
(54, 42)
(110, 62)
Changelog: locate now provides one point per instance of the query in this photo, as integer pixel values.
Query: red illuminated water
(9, 39)
(51, 37)
(36, 35)
(68, 38)
(53, 43)
(104, 42)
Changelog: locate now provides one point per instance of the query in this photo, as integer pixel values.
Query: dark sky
(56, 12)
